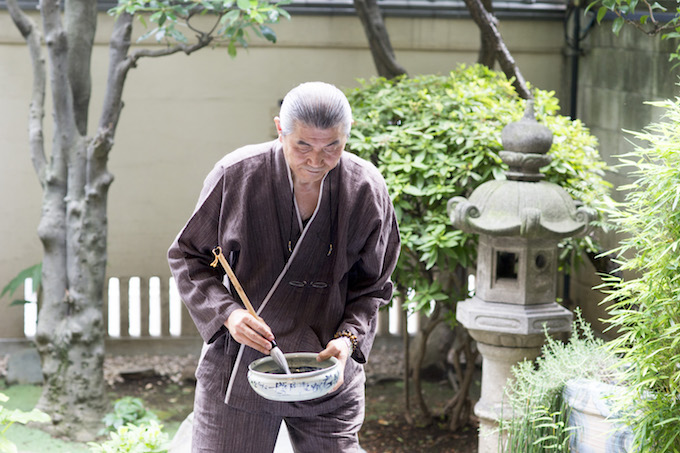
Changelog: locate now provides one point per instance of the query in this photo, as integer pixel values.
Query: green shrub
(128, 410)
(146, 438)
(10, 416)
(436, 137)
(646, 308)
(538, 416)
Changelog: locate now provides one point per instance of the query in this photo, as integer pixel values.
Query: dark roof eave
(398, 8)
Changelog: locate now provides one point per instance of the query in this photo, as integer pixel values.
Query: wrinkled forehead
(303, 132)
(339, 127)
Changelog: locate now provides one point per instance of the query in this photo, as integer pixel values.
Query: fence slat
(144, 302)
(105, 308)
(124, 306)
(165, 307)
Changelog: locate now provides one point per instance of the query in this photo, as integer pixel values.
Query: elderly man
(311, 234)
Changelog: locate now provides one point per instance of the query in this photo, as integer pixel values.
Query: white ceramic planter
(597, 430)
(266, 378)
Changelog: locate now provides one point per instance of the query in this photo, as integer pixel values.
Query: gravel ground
(3, 365)
(385, 364)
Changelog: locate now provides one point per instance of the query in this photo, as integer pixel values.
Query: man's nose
(315, 159)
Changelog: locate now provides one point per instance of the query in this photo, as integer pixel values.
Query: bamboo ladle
(275, 352)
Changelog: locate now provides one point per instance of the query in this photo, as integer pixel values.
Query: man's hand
(250, 331)
(338, 348)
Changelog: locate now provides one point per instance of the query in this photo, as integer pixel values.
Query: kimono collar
(294, 211)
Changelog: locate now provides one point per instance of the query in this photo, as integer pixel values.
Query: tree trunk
(378, 39)
(70, 334)
(432, 321)
(459, 409)
(487, 25)
(487, 51)
(73, 224)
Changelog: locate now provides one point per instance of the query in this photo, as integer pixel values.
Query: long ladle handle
(219, 257)
(275, 352)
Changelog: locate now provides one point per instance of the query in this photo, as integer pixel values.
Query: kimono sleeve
(369, 281)
(201, 286)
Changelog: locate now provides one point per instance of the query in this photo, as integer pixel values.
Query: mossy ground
(385, 429)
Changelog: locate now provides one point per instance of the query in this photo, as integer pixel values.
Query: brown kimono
(306, 281)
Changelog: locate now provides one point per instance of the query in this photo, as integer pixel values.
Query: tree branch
(487, 50)
(203, 41)
(57, 51)
(119, 65)
(378, 39)
(68, 153)
(31, 34)
(81, 22)
(487, 24)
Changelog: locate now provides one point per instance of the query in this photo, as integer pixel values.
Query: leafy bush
(539, 414)
(645, 308)
(128, 410)
(435, 137)
(10, 416)
(147, 438)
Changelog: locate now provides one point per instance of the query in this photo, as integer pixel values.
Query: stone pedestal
(496, 365)
(506, 334)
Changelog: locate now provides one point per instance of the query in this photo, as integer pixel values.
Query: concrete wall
(618, 75)
(183, 113)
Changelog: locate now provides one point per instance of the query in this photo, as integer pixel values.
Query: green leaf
(6, 446)
(34, 272)
(617, 25)
(147, 34)
(231, 17)
(601, 13)
(16, 302)
(35, 415)
(658, 7)
(268, 33)
(243, 4)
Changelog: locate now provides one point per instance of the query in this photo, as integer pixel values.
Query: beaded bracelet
(352, 339)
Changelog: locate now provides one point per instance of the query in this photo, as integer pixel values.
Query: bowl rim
(307, 374)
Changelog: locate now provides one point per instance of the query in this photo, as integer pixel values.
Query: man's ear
(277, 122)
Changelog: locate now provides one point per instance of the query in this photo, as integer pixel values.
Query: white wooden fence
(146, 315)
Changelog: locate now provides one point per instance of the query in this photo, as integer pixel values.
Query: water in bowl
(296, 370)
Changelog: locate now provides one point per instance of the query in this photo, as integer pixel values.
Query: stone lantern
(520, 221)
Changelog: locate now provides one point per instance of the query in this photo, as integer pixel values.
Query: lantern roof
(522, 205)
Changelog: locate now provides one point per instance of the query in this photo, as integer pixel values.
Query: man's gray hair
(315, 104)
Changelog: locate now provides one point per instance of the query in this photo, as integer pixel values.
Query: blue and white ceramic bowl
(309, 379)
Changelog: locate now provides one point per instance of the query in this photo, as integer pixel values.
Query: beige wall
(619, 74)
(183, 113)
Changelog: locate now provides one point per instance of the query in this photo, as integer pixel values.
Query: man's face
(312, 152)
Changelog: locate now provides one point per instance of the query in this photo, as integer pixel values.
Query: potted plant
(560, 402)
